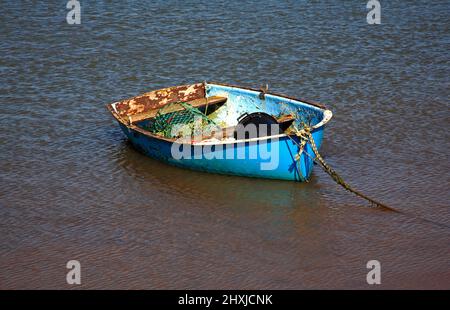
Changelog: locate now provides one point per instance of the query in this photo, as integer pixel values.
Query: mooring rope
(305, 135)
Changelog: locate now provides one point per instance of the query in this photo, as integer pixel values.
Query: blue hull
(278, 157)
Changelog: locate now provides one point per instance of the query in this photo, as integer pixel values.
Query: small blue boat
(229, 147)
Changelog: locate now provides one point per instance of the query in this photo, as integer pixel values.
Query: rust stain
(158, 98)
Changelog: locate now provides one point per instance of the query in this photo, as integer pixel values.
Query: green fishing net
(190, 120)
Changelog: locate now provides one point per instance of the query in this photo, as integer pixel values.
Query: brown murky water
(71, 187)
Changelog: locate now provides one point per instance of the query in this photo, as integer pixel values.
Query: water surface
(73, 188)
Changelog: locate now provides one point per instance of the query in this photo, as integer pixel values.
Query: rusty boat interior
(226, 106)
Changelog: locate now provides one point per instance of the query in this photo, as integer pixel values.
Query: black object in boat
(249, 126)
